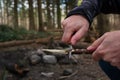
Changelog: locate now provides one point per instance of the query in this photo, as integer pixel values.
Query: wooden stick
(63, 77)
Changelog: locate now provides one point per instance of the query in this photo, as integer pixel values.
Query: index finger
(78, 35)
(67, 35)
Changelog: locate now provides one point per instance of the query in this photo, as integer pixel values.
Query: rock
(59, 56)
(47, 74)
(67, 72)
(67, 60)
(35, 59)
(15, 68)
(49, 59)
(36, 52)
(31, 53)
(63, 45)
(40, 52)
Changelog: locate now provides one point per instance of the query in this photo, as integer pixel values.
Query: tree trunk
(66, 8)
(31, 15)
(40, 19)
(15, 14)
(58, 14)
(1, 12)
(72, 4)
(7, 12)
(102, 24)
(23, 15)
(49, 18)
(53, 13)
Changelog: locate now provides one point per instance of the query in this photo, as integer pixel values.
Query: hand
(75, 27)
(107, 48)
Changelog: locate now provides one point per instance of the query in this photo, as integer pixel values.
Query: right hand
(75, 27)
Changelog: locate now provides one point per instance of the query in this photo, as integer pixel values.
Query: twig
(63, 77)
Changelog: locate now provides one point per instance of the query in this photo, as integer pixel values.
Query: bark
(53, 13)
(1, 12)
(58, 14)
(23, 14)
(66, 8)
(15, 14)
(72, 4)
(102, 24)
(49, 18)
(24, 42)
(31, 16)
(40, 18)
(7, 12)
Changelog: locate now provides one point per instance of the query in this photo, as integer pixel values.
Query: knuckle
(94, 56)
(100, 52)
(106, 59)
(66, 28)
(107, 33)
(69, 27)
(85, 29)
(63, 23)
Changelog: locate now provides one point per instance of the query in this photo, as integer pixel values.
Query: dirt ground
(85, 69)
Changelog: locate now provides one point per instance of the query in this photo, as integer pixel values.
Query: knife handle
(80, 51)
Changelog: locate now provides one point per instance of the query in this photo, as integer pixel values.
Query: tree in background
(40, 18)
(1, 11)
(79, 2)
(15, 13)
(37, 14)
(58, 14)
(23, 14)
(53, 12)
(103, 24)
(31, 16)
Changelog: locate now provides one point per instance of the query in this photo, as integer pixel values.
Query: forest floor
(85, 69)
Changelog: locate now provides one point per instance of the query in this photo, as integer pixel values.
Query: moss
(7, 33)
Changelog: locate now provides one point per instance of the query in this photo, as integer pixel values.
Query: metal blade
(55, 51)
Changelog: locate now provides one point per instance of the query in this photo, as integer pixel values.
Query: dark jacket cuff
(82, 12)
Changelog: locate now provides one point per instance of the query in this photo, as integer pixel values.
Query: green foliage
(79, 2)
(7, 33)
(4, 74)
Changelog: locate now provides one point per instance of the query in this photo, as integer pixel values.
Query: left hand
(107, 48)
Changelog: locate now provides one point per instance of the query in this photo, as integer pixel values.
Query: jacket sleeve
(91, 8)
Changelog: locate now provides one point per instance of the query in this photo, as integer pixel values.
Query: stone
(47, 74)
(67, 60)
(49, 59)
(31, 53)
(67, 72)
(40, 52)
(35, 59)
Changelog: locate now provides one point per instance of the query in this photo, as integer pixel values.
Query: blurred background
(27, 26)
(39, 17)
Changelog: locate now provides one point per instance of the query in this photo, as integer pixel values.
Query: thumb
(96, 44)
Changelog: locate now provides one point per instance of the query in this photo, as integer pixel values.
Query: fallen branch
(64, 77)
(23, 42)
(15, 43)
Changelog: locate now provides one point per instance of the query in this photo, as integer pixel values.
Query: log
(64, 77)
(23, 42)
(55, 30)
(15, 43)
